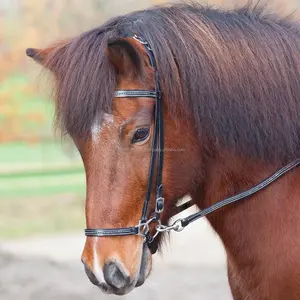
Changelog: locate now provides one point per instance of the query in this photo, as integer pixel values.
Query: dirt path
(42, 279)
(193, 267)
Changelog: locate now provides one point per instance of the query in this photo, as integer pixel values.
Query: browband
(135, 94)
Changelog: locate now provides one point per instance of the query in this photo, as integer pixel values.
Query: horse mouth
(145, 266)
(143, 273)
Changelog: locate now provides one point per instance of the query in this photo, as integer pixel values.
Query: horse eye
(140, 135)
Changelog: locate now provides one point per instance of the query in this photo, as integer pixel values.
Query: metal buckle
(142, 41)
(139, 39)
(176, 226)
(143, 228)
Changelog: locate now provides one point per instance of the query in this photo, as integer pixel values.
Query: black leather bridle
(142, 228)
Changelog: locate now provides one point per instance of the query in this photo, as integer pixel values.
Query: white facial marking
(97, 270)
(97, 127)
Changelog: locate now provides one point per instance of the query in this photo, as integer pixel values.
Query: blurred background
(42, 183)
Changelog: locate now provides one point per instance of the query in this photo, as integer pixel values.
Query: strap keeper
(159, 205)
(159, 94)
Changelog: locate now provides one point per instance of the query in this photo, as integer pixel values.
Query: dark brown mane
(237, 73)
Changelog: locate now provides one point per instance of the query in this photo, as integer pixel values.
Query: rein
(143, 229)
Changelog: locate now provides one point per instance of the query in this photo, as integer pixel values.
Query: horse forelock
(235, 73)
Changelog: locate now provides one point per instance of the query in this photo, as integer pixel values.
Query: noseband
(143, 227)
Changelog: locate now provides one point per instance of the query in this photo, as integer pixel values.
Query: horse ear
(124, 55)
(38, 55)
(42, 56)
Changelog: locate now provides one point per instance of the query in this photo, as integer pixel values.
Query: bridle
(157, 152)
(143, 227)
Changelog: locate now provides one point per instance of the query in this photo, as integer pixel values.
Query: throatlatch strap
(186, 221)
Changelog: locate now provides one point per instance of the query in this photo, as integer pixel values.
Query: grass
(23, 111)
(44, 152)
(40, 169)
(42, 184)
(30, 216)
(41, 190)
(39, 196)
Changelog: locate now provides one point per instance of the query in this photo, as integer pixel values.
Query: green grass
(40, 173)
(42, 185)
(17, 86)
(46, 198)
(39, 196)
(40, 169)
(45, 185)
(32, 112)
(30, 216)
(43, 152)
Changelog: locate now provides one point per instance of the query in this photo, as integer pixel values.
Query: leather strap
(135, 94)
(157, 150)
(112, 231)
(186, 221)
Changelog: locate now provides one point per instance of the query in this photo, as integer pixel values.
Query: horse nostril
(115, 276)
(91, 275)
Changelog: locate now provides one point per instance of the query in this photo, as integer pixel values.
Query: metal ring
(139, 39)
(177, 225)
(143, 42)
(144, 227)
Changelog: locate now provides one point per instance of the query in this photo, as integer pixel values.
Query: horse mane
(235, 72)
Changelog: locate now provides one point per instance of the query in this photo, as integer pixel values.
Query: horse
(184, 99)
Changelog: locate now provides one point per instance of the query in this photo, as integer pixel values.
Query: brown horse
(230, 86)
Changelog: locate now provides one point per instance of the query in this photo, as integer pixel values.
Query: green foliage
(24, 115)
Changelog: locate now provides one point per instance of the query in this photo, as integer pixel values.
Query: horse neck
(252, 228)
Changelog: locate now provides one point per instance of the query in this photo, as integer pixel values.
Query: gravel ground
(193, 266)
(42, 279)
